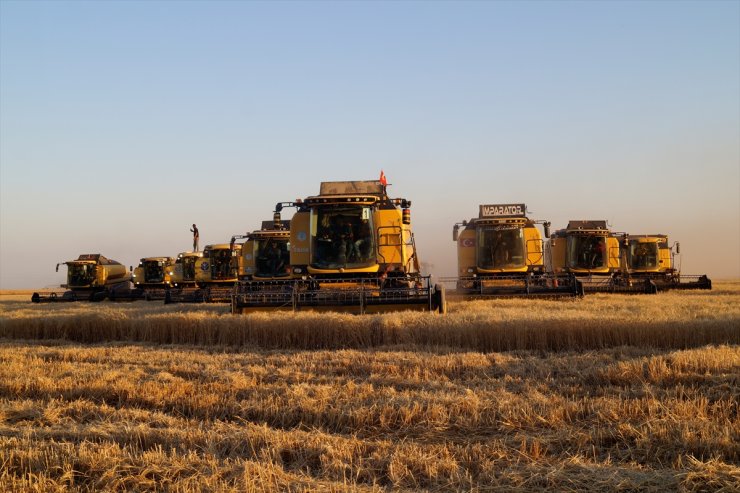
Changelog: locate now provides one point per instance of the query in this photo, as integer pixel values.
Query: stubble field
(604, 393)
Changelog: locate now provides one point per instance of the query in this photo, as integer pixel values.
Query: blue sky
(122, 123)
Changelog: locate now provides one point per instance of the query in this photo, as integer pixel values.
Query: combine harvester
(153, 277)
(351, 250)
(265, 254)
(501, 254)
(182, 273)
(215, 275)
(649, 257)
(92, 277)
(591, 252)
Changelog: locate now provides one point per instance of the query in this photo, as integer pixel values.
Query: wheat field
(610, 393)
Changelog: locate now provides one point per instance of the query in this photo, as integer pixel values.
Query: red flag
(383, 181)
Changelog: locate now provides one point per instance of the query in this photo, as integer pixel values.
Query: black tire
(440, 299)
(35, 298)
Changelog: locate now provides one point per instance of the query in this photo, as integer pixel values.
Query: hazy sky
(122, 123)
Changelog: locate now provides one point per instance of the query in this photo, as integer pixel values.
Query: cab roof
(352, 188)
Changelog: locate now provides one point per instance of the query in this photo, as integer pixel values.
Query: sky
(124, 122)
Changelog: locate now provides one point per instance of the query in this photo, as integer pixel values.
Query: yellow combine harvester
(351, 250)
(92, 277)
(591, 252)
(265, 253)
(215, 275)
(650, 257)
(182, 273)
(501, 253)
(153, 276)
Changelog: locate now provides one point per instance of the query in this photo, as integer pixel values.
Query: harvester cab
(501, 253)
(652, 257)
(182, 273)
(351, 249)
(154, 272)
(265, 254)
(91, 277)
(591, 251)
(218, 265)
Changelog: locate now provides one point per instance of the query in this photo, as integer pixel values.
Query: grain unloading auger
(208, 277)
(351, 250)
(591, 252)
(92, 277)
(649, 257)
(500, 254)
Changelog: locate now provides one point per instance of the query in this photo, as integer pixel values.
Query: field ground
(605, 393)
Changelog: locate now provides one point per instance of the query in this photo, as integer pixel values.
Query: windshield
(272, 257)
(500, 248)
(342, 237)
(81, 274)
(223, 264)
(586, 252)
(188, 268)
(153, 271)
(643, 255)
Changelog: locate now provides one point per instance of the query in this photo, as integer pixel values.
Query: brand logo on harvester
(502, 210)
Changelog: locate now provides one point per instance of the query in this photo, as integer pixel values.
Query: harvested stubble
(669, 320)
(133, 418)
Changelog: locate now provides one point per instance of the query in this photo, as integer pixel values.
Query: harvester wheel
(440, 299)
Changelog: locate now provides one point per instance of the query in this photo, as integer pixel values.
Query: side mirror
(57, 267)
(130, 268)
(279, 207)
(546, 225)
(455, 232)
(678, 247)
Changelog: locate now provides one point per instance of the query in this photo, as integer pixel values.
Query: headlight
(470, 270)
(297, 270)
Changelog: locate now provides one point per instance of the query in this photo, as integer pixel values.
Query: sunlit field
(604, 393)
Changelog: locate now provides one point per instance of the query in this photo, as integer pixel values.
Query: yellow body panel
(300, 239)
(534, 246)
(248, 261)
(614, 258)
(556, 255)
(466, 264)
(392, 237)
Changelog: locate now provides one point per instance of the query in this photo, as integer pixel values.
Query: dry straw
(669, 320)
